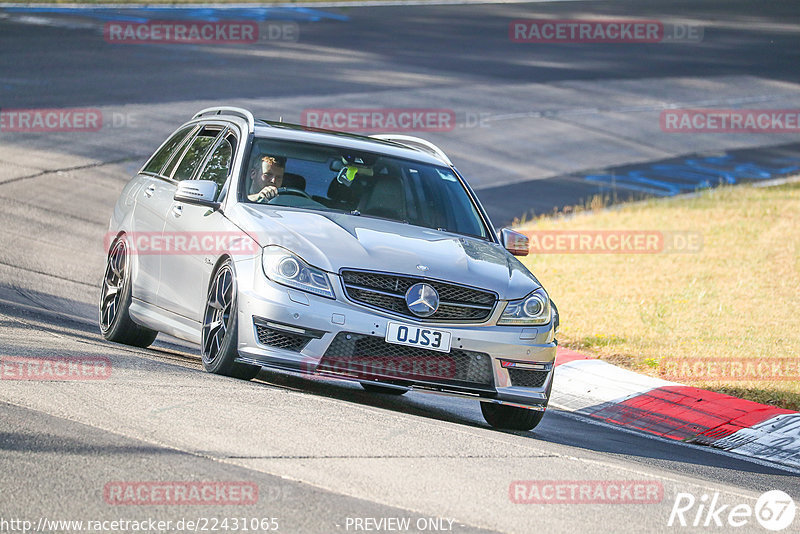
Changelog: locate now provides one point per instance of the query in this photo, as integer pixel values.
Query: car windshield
(324, 178)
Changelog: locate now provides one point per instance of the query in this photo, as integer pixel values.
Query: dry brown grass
(739, 297)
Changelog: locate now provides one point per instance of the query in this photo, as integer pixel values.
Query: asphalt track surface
(321, 452)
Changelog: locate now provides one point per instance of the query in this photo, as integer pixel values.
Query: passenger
(265, 186)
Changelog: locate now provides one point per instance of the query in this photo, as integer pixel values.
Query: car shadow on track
(605, 443)
(557, 427)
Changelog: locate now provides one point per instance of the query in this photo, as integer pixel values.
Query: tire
(375, 388)
(115, 299)
(510, 417)
(220, 339)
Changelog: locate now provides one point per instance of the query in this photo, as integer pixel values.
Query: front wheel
(510, 417)
(219, 338)
(115, 298)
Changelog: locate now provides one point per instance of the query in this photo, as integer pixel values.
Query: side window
(158, 159)
(193, 156)
(218, 166)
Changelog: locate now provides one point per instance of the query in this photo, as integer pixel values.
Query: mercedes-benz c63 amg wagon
(359, 258)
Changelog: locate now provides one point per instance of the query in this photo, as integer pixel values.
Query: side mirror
(514, 242)
(197, 192)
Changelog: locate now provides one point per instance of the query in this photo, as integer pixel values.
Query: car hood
(332, 241)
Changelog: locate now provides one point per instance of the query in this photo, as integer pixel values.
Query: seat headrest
(295, 181)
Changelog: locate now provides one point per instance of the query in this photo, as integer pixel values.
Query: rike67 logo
(774, 510)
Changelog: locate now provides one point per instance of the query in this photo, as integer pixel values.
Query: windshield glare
(324, 178)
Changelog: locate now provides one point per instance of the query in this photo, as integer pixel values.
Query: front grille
(371, 357)
(387, 292)
(527, 378)
(281, 340)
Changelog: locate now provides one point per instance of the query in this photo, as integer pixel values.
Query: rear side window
(219, 163)
(193, 156)
(158, 159)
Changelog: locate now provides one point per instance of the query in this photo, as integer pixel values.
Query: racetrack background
(538, 126)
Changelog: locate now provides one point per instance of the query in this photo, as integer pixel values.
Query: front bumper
(283, 328)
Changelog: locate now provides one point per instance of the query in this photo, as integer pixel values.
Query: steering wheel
(293, 191)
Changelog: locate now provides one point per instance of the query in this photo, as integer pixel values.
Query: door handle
(177, 210)
(149, 191)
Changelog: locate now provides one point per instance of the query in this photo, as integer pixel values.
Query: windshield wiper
(358, 213)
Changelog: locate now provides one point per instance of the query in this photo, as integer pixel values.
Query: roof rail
(227, 110)
(415, 143)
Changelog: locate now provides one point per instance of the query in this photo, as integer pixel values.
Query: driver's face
(272, 173)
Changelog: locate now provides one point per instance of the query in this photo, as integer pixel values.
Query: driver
(265, 186)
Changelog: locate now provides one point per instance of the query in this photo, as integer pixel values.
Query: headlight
(283, 267)
(532, 310)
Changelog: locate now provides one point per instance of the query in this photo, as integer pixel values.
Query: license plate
(415, 336)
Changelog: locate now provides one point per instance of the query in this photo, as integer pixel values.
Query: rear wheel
(386, 390)
(219, 339)
(115, 299)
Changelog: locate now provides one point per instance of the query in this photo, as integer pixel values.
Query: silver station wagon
(351, 257)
